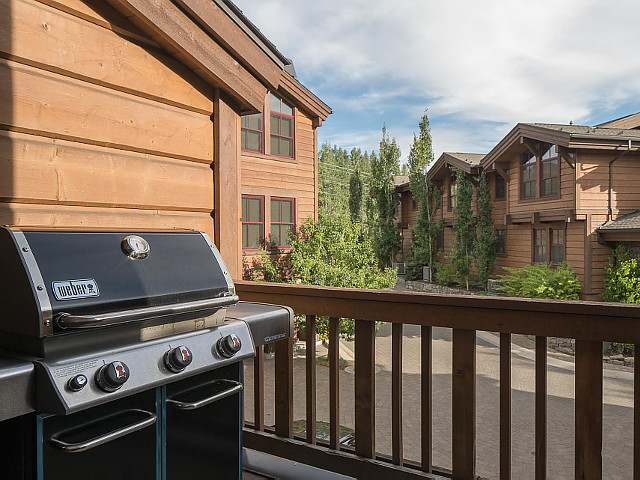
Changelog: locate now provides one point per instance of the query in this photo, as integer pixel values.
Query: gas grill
(120, 355)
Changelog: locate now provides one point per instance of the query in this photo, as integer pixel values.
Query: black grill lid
(48, 273)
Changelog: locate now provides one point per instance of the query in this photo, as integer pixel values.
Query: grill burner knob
(112, 376)
(177, 359)
(228, 346)
(77, 383)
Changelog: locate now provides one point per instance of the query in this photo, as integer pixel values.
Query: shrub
(445, 274)
(541, 281)
(622, 278)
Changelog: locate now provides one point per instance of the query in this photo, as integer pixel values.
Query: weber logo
(72, 289)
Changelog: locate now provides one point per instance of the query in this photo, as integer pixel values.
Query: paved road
(617, 421)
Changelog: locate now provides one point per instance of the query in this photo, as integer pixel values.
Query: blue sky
(478, 67)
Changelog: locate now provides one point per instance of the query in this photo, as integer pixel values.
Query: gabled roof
(626, 223)
(627, 122)
(467, 162)
(569, 136)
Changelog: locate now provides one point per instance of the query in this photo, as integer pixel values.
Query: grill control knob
(228, 346)
(77, 383)
(177, 359)
(112, 376)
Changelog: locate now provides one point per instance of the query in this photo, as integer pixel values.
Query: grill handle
(65, 320)
(234, 388)
(150, 419)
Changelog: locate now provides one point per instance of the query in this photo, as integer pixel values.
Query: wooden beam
(284, 387)
(463, 412)
(426, 403)
(567, 156)
(165, 23)
(334, 383)
(588, 416)
(505, 406)
(311, 377)
(503, 173)
(365, 389)
(531, 145)
(396, 394)
(541, 409)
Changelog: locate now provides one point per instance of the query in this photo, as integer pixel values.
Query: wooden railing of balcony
(589, 323)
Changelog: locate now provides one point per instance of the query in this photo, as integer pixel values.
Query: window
(414, 204)
(453, 190)
(540, 173)
(440, 240)
(252, 128)
(252, 222)
(282, 221)
(282, 128)
(548, 245)
(501, 187)
(501, 242)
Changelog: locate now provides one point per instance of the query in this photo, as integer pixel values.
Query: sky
(479, 67)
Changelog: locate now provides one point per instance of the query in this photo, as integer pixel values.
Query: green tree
(422, 249)
(355, 187)
(622, 277)
(462, 249)
(384, 168)
(331, 252)
(485, 241)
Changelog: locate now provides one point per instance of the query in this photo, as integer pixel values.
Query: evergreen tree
(422, 249)
(355, 187)
(485, 242)
(462, 249)
(384, 168)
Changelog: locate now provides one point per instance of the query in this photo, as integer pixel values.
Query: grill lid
(60, 279)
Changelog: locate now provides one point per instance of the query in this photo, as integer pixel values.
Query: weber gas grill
(119, 357)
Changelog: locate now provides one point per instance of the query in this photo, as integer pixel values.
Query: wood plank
(463, 407)
(541, 409)
(365, 388)
(92, 114)
(396, 394)
(37, 169)
(334, 383)
(636, 413)
(76, 48)
(426, 402)
(171, 28)
(97, 217)
(284, 387)
(588, 415)
(311, 378)
(327, 459)
(505, 406)
(258, 388)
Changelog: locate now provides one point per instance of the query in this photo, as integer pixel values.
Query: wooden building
(559, 193)
(128, 114)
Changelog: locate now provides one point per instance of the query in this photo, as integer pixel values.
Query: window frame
(450, 198)
(262, 223)
(262, 134)
(292, 223)
(549, 231)
(495, 188)
(504, 238)
(538, 165)
(273, 112)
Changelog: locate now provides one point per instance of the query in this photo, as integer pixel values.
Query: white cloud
(493, 61)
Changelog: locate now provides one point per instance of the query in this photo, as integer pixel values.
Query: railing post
(311, 378)
(426, 407)
(258, 389)
(396, 394)
(284, 387)
(541, 409)
(365, 388)
(505, 406)
(334, 383)
(588, 409)
(464, 404)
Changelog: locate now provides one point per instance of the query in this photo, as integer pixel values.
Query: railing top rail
(570, 319)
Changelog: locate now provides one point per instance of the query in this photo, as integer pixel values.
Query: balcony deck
(416, 323)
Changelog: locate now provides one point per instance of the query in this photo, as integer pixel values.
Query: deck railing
(589, 323)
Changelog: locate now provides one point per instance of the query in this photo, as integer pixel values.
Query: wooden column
(541, 409)
(426, 406)
(334, 383)
(588, 410)
(505, 406)
(311, 377)
(636, 412)
(365, 389)
(396, 394)
(227, 184)
(464, 404)
(284, 387)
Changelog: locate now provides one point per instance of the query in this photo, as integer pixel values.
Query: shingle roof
(586, 130)
(626, 222)
(473, 159)
(401, 180)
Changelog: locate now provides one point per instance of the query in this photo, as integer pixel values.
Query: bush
(445, 274)
(622, 278)
(541, 281)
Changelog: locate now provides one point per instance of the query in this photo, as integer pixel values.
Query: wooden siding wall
(271, 176)
(498, 212)
(408, 216)
(98, 128)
